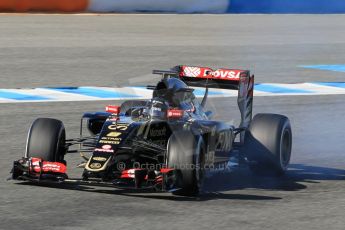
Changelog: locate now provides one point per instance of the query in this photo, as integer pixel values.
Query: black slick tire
(186, 154)
(46, 140)
(268, 143)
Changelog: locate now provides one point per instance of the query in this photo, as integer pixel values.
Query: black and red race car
(167, 143)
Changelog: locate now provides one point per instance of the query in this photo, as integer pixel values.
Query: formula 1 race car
(168, 143)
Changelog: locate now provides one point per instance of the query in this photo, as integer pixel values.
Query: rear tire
(268, 143)
(186, 154)
(46, 140)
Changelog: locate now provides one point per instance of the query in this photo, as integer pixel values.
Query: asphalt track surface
(120, 50)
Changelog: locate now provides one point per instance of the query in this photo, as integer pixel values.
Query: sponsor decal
(204, 72)
(95, 165)
(110, 140)
(105, 149)
(98, 166)
(99, 158)
(175, 113)
(112, 127)
(47, 166)
(113, 109)
(114, 134)
(158, 132)
(226, 74)
(120, 127)
(192, 71)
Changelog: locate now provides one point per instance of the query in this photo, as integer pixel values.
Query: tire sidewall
(192, 147)
(285, 130)
(46, 140)
(264, 142)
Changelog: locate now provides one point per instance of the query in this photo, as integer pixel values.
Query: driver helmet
(158, 109)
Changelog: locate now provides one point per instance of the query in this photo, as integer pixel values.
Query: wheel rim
(285, 148)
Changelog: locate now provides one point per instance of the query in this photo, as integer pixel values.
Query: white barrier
(176, 6)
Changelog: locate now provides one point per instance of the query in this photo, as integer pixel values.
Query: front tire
(46, 140)
(268, 143)
(186, 154)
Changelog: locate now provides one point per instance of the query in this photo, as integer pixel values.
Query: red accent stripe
(166, 170)
(47, 167)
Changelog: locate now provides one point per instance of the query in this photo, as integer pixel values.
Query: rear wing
(233, 79)
(207, 77)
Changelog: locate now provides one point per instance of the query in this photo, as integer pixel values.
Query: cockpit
(168, 95)
(174, 92)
